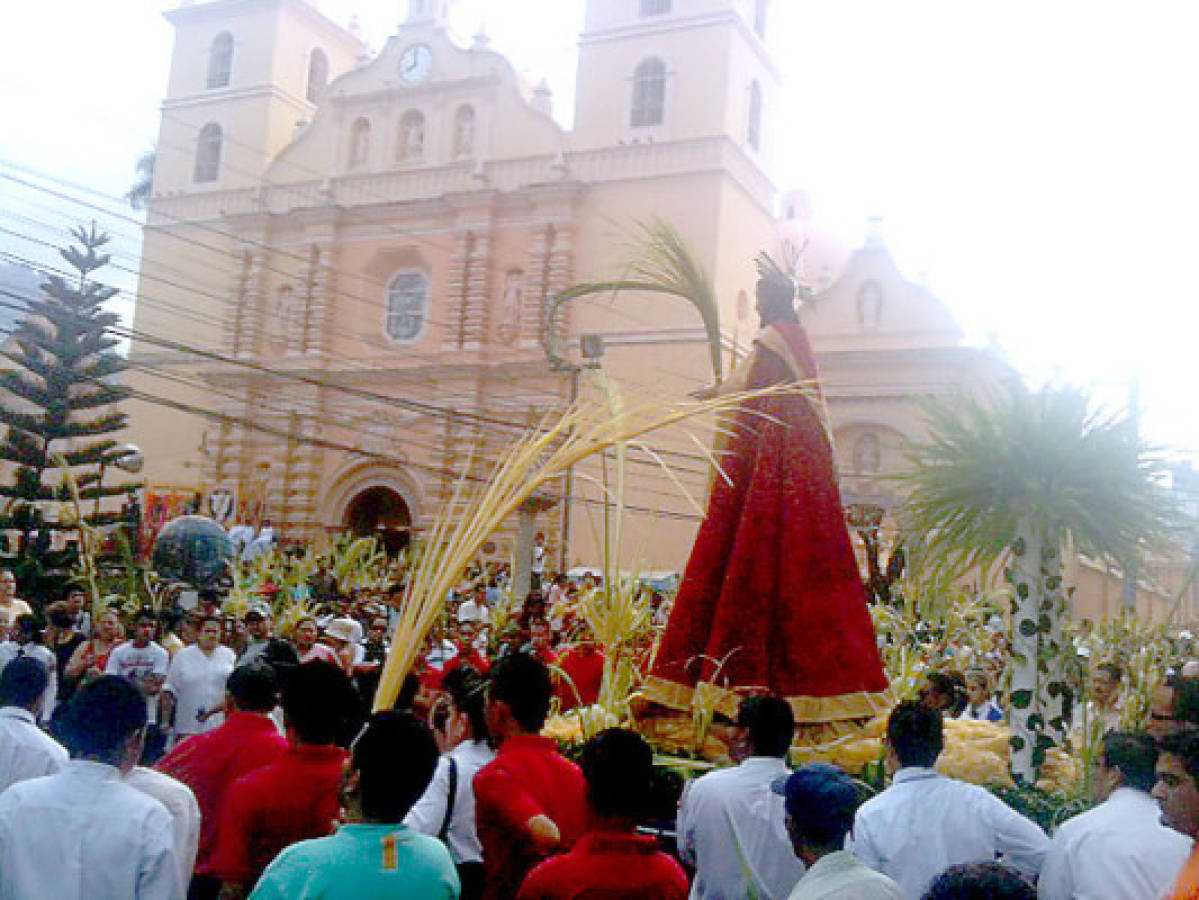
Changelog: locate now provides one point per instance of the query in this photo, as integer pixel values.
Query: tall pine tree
(60, 398)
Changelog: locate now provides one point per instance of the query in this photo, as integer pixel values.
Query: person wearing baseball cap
(258, 623)
(820, 803)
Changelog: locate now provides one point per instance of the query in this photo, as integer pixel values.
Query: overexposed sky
(1037, 161)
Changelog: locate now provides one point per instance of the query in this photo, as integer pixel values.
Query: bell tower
(428, 12)
(676, 70)
(243, 77)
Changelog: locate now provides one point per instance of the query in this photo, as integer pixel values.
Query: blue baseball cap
(818, 792)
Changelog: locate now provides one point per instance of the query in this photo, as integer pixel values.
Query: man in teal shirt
(372, 854)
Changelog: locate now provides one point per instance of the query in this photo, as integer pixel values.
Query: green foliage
(1027, 476)
(1043, 456)
(138, 195)
(62, 398)
(931, 615)
(1047, 809)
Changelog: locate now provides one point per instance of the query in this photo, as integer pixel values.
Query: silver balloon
(194, 549)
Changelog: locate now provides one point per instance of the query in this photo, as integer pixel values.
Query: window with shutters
(649, 93)
(220, 61)
(208, 154)
(407, 305)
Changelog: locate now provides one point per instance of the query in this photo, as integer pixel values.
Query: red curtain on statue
(772, 590)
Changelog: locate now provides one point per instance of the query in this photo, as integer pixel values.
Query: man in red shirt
(583, 664)
(529, 801)
(295, 797)
(210, 763)
(611, 860)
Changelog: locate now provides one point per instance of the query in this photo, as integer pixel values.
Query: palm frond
(476, 509)
(660, 262)
(1080, 475)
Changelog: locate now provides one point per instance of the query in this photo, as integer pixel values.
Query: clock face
(416, 65)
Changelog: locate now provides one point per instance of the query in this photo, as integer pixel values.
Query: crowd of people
(203, 755)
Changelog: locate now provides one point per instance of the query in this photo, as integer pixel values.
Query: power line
(410, 405)
(409, 351)
(271, 248)
(461, 418)
(374, 305)
(261, 427)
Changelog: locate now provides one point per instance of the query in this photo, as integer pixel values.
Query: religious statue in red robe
(772, 599)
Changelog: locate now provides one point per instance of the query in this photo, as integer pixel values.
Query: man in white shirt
(731, 824)
(143, 663)
(26, 640)
(84, 834)
(924, 822)
(25, 750)
(195, 684)
(181, 803)
(1120, 850)
(821, 801)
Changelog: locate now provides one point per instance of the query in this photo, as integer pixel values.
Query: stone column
(319, 285)
(526, 536)
(241, 306)
(468, 291)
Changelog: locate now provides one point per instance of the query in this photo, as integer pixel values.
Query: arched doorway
(381, 512)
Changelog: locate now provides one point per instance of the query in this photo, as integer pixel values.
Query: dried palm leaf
(476, 510)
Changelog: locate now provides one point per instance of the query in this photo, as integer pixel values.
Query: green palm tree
(660, 263)
(1026, 478)
(138, 196)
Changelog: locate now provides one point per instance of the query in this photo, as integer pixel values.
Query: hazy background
(1036, 162)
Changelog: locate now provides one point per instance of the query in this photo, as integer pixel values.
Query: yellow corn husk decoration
(476, 510)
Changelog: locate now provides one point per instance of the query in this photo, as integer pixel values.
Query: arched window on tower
(760, 17)
(208, 154)
(649, 93)
(220, 61)
(655, 7)
(407, 305)
(318, 74)
(753, 129)
(411, 143)
(360, 143)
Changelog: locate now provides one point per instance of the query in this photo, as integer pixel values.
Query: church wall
(604, 103)
(296, 36)
(253, 27)
(607, 14)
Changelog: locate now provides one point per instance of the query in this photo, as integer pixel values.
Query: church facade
(348, 256)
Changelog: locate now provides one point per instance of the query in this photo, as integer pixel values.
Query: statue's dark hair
(776, 292)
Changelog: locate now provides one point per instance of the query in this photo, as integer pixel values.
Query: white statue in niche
(867, 454)
(280, 319)
(361, 147)
(514, 290)
(464, 134)
(414, 136)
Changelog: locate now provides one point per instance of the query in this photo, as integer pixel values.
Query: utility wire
(460, 417)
